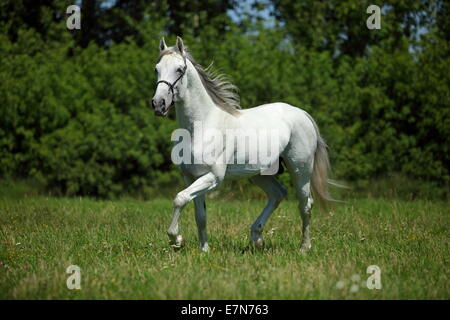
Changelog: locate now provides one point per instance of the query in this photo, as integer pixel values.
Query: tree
(340, 26)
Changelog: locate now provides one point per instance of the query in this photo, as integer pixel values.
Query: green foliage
(339, 26)
(83, 125)
(75, 106)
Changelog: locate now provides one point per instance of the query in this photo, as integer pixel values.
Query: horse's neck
(196, 104)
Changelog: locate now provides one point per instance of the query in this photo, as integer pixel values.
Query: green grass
(122, 249)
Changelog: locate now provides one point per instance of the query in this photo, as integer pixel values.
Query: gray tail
(319, 179)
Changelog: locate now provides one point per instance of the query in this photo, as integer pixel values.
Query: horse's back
(297, 133)
(278, 111)
(281, 116)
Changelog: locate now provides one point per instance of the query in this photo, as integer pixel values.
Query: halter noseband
(172, 85)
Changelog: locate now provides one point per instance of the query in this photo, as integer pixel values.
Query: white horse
(200, 97)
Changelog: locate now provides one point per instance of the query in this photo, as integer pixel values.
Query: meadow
(77, 120)
(123, 252)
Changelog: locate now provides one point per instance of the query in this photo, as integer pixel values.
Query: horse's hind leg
(275, 192)
(301, 175)
(305, 206)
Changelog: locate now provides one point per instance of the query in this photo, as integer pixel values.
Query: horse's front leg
(200, 218)
(200, 186)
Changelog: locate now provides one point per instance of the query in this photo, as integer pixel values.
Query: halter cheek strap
(172, 85)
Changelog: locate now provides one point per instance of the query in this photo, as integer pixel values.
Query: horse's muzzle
(160, 107)
(161, 113)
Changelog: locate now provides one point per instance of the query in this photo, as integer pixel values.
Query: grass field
(123, 252)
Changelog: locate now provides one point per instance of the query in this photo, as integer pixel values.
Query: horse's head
(170, 70)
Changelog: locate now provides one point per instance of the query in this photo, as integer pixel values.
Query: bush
(79, 119)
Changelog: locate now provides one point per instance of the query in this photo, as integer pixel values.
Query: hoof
(258, 244)
(177, 242)
(204, 248)
(305, 247)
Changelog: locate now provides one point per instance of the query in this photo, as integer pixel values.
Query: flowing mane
(220, 89)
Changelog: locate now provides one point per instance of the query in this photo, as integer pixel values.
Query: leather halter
(172, 85)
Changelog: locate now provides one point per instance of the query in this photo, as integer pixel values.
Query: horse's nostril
(153, 103)
(163, 102)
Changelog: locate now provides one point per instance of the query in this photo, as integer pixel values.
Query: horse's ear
(180, 45)
(162, 44)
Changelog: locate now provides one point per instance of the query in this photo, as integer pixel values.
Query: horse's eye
(179, 70)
